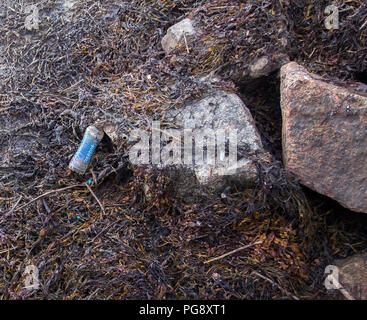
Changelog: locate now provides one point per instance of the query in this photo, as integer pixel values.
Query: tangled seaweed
(102, 236)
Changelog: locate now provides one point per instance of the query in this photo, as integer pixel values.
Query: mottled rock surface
(325, 136)
(218, 111)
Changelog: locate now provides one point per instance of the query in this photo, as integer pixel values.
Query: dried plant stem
(232, 252)
(44, 195)
(275, 284)
(95, 197)
(103, 230)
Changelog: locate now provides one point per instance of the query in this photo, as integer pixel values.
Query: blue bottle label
(86, 149)
(82, 157)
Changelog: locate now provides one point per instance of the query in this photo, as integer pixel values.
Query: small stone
(176, 33)
(264, 65)
(258, 67)
(216, 276)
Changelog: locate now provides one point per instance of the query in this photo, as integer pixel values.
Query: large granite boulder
(325, 136)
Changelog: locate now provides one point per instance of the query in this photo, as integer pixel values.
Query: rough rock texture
(176, 33)
(325, 136)
(209, 122)
(352, 275)
(264, 65)
(226, 111)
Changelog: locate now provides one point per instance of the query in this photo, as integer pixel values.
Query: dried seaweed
(102, 61)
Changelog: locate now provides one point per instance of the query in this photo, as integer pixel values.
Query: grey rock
(221, 112)
(176, 33)
(202, 164)
(264, 65)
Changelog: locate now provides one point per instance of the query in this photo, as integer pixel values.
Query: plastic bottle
(80, 161)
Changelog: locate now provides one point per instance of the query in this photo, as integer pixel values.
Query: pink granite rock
(325, 136)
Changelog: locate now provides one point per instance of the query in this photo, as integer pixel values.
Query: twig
(6, 199)
(187, 48)
(275, 284)
(46, 194)
(95, 197)
(363, 25)
(103, 230)
(15, 205)
(232, 252)
(7, 250)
